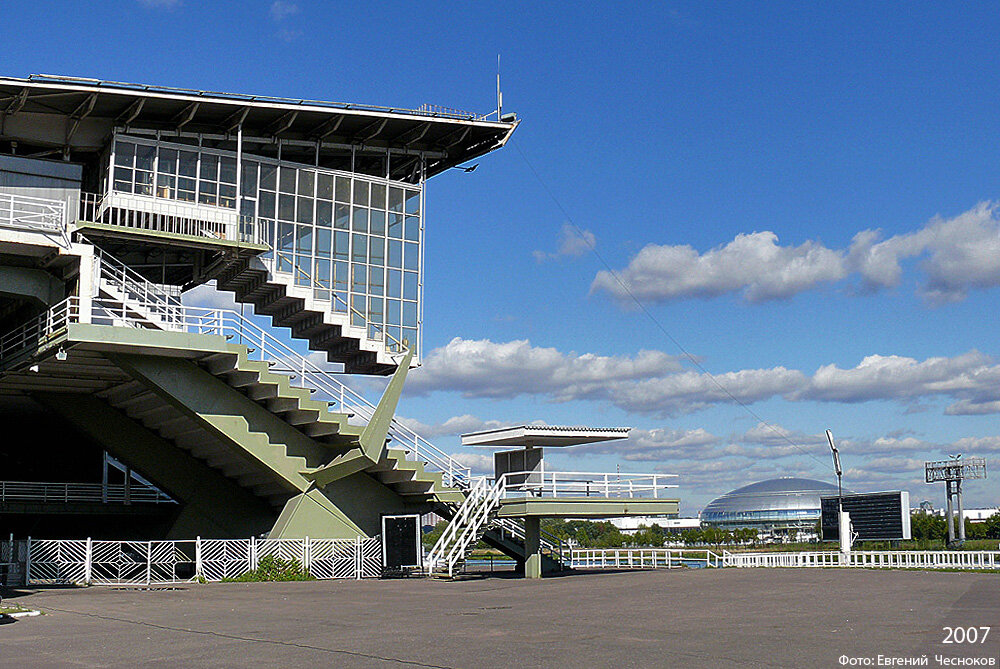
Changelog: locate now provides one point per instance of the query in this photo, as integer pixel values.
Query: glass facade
(354, 240)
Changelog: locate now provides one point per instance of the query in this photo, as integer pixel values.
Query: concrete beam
(32, 284)
(212, 505)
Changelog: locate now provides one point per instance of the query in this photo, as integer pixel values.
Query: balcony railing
(34, 214)
(93, 493)
(169, 216)
(547, 484)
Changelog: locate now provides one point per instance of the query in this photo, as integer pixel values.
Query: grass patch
(270, 568)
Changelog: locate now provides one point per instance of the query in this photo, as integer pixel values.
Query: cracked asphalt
(678, 618)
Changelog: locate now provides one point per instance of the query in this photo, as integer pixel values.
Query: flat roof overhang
(586, 507)
(543, 436)
(80, 114)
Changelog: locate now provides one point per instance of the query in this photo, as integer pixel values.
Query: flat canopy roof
(543, 435)
(86, 110)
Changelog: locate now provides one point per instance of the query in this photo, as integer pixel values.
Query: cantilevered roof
(81, 113)
(543, 435)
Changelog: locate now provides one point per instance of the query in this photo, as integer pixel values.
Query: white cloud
(660, 444)
(453, 426)
(477, 462)
(573, 243)
(207, 296)
(753, 264)
(898, 377)
(960, 254)
(281, 10)
(654, 383)
(482, 368)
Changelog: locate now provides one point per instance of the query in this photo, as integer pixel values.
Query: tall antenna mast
(499, 92)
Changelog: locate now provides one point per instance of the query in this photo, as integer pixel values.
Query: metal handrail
(400, 346)
(232, 325)
(81, 492)
(587, 484)
(146, 212)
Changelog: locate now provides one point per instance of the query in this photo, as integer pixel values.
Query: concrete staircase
(294, 306)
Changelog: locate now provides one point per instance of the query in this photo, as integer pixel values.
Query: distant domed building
(775, 506)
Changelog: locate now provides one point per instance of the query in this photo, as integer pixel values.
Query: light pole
(840, 493)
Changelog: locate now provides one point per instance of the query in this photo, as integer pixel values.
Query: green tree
(991, 527)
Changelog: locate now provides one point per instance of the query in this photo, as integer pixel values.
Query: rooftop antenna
(499, 92)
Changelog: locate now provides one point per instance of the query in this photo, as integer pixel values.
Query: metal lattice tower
(953, 472)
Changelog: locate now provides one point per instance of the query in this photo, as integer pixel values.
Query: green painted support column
(532, 547)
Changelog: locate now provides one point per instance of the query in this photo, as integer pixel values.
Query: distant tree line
(930, 527)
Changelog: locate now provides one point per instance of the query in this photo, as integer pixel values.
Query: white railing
(867, 559)
(549, 544)
(170, 216)
(112, 493)
(35, 214)
(38, 331)
(238, 329)
(544, 483)
(641, 558)
(86, 561)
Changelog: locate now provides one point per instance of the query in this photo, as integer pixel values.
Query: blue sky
(799, 195)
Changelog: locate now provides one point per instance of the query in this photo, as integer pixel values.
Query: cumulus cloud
(477, 462)
(453, 426)
(654, 383)
(970, 376)
(654, 445)
(959, 254)
(482, 368)
(572, 244)
(208, 296)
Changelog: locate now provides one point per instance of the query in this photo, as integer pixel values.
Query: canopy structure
(538, 436)
(85, 111)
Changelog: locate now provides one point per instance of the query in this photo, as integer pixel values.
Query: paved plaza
(678, 618)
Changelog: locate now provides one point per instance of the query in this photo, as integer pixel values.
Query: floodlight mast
(840, 494)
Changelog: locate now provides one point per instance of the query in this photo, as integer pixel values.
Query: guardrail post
(306, 556)
(357, 557)
(198, 567)
(88, 561)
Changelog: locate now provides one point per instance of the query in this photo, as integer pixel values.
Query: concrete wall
(50, 179)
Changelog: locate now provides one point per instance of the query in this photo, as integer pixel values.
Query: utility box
(523, 466)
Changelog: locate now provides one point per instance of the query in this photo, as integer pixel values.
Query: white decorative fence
(868, 559)
(85, 561)
(668, 558)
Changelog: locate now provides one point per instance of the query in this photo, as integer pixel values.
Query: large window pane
(303, 236)
(376, 280)
(306, 183)
(324, 242)
(412, 202)
(227, 170)
(395, 253)
(359, 250)
(144, 157)
(248, 180)
(359, 278)
(377, 224)
(268, 176)
(324, 186)
(396, 226)
(167, 163)
(378, 196)
(410, 314)
(359, 220)
(412, 231)
(409, 285)
(324, 213)
(376, 252)
(360, 193)
(394, 283)
(286, 207)
(396, 199)
(265, 206)
(287, 180)
(187, 164)
(124, 154)
(304, 211)
(342, 216)
(341, 245)
(286, 238)
(209, 167)
(392, 312)
(343, 190)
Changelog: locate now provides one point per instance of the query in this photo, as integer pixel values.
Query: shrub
(270, 568)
